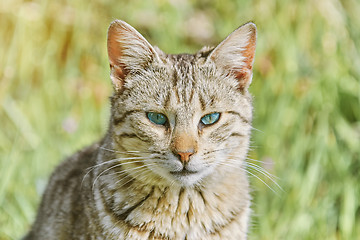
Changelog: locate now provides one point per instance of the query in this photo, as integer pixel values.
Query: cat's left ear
(236, 53)
(128, 52)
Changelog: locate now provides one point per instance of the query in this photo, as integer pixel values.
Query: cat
(172, 163)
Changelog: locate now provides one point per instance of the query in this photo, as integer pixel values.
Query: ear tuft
(128, 51)
(236, 53)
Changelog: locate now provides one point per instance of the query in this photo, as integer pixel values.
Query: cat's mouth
(187, 177)
(184, 172)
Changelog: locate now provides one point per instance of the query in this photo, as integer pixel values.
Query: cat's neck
(175, 209)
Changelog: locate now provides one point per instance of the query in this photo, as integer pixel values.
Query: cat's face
(182, 117)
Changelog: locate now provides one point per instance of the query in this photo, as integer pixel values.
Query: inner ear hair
(128, 51)
(236, 54)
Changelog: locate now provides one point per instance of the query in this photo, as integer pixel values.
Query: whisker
(257, 129)
(122, 172)
(254, 165)
(144, 169)
(261, 181)
(216, 150)
(252, 174)
(115, 151)
(110, 168)
(134, 152)
(114, 160)
(254, 160)
(257, 167)
(266, 174)
(108, 162)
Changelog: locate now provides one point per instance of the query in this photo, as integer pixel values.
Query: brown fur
(177, 180)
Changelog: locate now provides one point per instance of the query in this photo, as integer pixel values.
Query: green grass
(54, 89)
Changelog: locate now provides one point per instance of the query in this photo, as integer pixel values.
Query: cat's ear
(128, 51)
(236, 53)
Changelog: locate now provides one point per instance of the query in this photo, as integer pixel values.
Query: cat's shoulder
(77, 164)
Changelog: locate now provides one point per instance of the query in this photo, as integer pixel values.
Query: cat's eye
(211, 118)
(157, 118)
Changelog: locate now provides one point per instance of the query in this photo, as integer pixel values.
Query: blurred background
(54, 89)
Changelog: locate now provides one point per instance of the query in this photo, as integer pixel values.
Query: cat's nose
(183, 145)
(185, 156)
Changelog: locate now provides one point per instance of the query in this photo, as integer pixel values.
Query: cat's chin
(187, 178)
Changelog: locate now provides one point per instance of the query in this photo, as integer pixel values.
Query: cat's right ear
(128, 51)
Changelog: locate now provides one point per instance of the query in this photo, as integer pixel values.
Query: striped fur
(128, 185)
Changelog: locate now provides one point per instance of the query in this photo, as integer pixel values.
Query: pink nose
(185, 156)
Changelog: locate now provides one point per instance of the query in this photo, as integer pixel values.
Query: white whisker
(108, 162)
(115, 151)
(265, 173)
(231, 163)
(141, 170)
(257, 129)
(110, 168)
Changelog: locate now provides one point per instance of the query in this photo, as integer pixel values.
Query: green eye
(210, 118)
(157, 118)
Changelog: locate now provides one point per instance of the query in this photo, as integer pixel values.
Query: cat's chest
(177, 214)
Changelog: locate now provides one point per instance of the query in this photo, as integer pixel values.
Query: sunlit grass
(54, 89)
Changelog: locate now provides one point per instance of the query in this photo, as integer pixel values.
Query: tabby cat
(172, 164)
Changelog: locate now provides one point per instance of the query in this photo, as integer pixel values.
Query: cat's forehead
(185, 58)
(182, 83)
(181, 58)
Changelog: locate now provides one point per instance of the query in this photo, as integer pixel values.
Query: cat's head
(180, 118)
